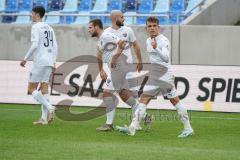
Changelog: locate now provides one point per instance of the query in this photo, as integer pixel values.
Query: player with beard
(124, 33)
(109, 54)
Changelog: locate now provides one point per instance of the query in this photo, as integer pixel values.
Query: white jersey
(161, 54)
(125, 33)
(107, 44)
(46, 52)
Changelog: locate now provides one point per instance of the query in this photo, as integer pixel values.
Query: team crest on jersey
(125, 35)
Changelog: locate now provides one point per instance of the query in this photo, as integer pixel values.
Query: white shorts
(160, 82)
(40, 74)
(116, 80)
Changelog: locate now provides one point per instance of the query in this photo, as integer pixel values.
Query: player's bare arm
(138, 55)
(103, 74)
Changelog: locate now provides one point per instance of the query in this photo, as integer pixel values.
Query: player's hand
(115, 60)
(121, 44)
(154, 43)
(22, 63)
(139, 67)
(103, 75)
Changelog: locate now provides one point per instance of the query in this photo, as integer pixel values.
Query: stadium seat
(82, 19)
(191, 5)
(8, 19)
(163, 20)
(85, 5)
(146, 6)
(178, 6)
(115, 5)
(43, 3)
(2, 5)
(23, 19)
(130, 20)
(12, 6)
(70, 6)
(55, 5)
(53, 19)
(101, 6)
(25, 5)
(162, 6)
(130, 5)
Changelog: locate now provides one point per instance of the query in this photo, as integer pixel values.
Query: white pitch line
(220, 118)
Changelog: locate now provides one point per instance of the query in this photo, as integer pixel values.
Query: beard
(119, 24)
(94, 34)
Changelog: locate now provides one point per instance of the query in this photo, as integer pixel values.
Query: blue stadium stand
(130, 20)
(71, 6)
(191, 5)
(53, 19)
(55, 5)
(23, 19)
(177, 10)
(82, 20)
(85, 5)
(114, 5)
(162, 6)
(2, 5)
(84, 8)
(25, 5)
(12, 6)
(101, 6)
(145, 7)
(43, 3)
(131, 6)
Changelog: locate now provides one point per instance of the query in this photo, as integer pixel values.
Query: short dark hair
(152, 19)
(97, 22)
(40, 10)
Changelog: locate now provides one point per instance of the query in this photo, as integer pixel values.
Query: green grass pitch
(217, 137)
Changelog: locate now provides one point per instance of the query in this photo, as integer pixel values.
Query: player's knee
(124, 94)
(174, 100)
(145, 99)
(107, 93)
(31, 88)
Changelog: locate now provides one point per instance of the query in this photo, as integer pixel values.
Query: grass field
(217, 137)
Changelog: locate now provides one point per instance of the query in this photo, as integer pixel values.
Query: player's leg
(45, 113)
(31, 88)
(41, 74)
(183, 114)
(111, 102)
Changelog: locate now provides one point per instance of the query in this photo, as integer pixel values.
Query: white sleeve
(132, 37)
(34, 34)
(31, 50)
(163, 48)
(55, 48)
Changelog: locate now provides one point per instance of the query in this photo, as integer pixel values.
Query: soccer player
(124, 33)
(161, 79)
(109, 52)
(44, 52)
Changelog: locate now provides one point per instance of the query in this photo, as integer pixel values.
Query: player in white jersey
(161, 79)
(109, 52)
(126, 33)
(44, 53)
